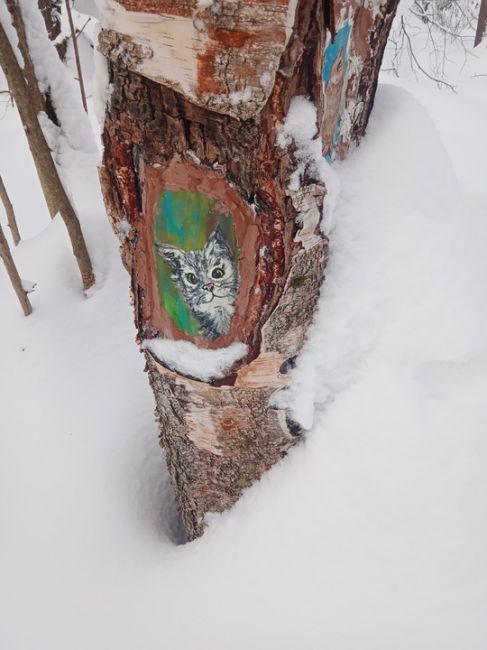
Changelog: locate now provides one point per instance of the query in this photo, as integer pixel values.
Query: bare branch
(76, 56)
(413, 56)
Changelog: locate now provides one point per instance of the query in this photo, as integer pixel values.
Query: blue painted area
(337, 48)
(336, 132)
(334, 49)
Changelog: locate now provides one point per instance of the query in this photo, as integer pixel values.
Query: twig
(420, 67)
(80, 31)
(76, 56)
(431, 20)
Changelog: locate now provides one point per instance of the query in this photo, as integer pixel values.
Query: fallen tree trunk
(214, 180)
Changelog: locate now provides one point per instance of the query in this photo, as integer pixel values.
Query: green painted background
(185, 219)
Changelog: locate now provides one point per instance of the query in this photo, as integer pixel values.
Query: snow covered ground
(372, 534)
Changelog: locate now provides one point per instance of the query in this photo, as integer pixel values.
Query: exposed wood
(76, 55)
(51, 183)
(9, 211)
(13, 274)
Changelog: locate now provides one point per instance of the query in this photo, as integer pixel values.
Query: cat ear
(170, 254)
(218, 240)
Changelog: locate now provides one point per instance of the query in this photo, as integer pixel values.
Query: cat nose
(208, 286)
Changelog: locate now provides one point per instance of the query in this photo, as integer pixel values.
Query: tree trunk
(481, 23)
(213, 178)
(37, 99)
(9, 211)
(51, 183)
(13, 274)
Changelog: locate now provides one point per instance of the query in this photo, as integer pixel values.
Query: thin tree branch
(76, 56)
(415, 59)
(13, 274)
(9, 210)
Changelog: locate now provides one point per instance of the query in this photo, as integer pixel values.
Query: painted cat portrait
(207, 279)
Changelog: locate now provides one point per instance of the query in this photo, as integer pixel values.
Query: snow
(87, 7)
(411, 297)
(372, 533)
(300, 126)
(240, 96)
(28, 286)
(187, 358)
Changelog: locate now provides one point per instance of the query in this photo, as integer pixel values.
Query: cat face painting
(207, 280)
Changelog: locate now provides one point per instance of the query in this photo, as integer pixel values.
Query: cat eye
(217, 273)
(191, 278)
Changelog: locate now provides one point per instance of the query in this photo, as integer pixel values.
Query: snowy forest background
(372, 533)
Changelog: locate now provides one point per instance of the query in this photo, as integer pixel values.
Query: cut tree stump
(214, 183)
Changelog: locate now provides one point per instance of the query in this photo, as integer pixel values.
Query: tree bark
(211, 124)
(52, 186)
(37, 99)
(14, 275)
(352, 58)
(481, 23)
(51, 12)
(9, 211)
